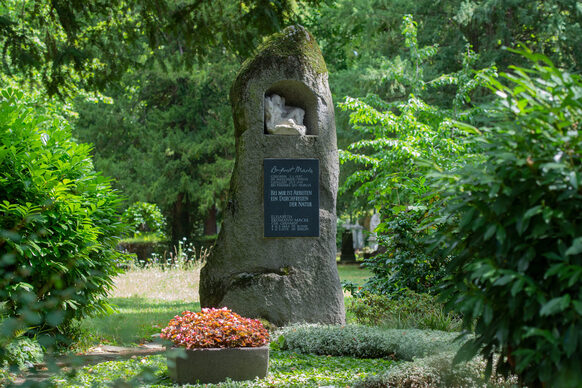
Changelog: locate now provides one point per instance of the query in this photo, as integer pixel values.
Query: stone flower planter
(214, 365)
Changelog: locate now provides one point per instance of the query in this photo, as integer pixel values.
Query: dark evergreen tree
(168, 139)
(91, 43)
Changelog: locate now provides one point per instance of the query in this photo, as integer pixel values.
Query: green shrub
(405, 263)
(23, 353)
(437, 371)
(517, 242)
(409, 310)
(58, 223)
(365, 342)
(145, 219)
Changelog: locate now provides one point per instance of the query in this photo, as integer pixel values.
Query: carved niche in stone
(281, 119)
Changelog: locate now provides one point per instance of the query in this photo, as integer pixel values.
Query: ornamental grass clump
(215, 328)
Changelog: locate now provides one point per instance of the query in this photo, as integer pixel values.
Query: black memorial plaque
(291, 197)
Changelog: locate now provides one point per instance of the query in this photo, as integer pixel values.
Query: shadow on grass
(136, 320)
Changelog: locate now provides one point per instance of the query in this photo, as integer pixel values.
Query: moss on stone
(293, 41)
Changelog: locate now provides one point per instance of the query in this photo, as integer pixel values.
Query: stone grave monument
(275, 257)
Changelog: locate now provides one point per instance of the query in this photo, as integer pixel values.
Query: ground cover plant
(365, 342)
(286, 369)
(437, 371)
(408, 310)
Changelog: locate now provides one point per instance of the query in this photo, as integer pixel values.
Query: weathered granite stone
(292, 279)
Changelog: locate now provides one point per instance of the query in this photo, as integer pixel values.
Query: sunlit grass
(135, 320)
(146, 298)
(173, 283)
(353, 273)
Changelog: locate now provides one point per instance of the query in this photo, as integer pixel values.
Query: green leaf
(501, 235)
(575, 248)
(489, 232)
(517, 287)
(504, 280)
(577, 306)
(555, 305)
(536, 332)
(574, 180)
(488, 314)
(571, 340)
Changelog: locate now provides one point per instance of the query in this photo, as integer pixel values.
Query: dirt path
(95, 355)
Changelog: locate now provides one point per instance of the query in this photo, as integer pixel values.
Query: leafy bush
(410, 310)
(365, 342)
(215, 328)
(145, 219)
(58, 222)
(400, 139)
(405, 264)
(516, 222)
(23, 353)
(436, 371)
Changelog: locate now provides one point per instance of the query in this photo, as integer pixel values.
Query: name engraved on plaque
(291, 198)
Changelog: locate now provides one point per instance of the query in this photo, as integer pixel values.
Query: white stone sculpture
(281, 119)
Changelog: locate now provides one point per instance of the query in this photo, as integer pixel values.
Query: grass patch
(178, 282)
(286, 369)
(353, 273)
(148, 297)
(146, 237)
(409, 310)
(357, 275)
(135, 321)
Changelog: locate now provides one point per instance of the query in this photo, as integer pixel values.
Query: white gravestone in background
(373, 239)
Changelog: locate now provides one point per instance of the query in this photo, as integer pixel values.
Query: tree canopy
(93, 43)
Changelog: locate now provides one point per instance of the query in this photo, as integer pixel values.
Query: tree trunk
(181, 225)
(210, 222)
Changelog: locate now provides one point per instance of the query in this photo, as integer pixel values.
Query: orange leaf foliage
(215, 328)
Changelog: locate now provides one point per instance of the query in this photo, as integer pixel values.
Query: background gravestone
(275, 256)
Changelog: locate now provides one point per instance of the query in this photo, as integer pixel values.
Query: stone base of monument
(206, 366)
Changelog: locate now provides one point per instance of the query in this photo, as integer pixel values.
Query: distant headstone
(348, 255)
(275, 256)
(357, 234)
(373, 239)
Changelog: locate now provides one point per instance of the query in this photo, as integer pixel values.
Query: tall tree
(90, 43)
(365, 52)
(168, 139)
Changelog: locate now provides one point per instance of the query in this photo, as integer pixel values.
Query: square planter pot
(213, 365)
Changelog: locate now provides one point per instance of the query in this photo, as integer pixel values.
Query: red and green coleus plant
(215, 328)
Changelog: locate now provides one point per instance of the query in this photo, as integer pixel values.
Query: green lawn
(353, 273)
(138, 317)
(134, 322)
